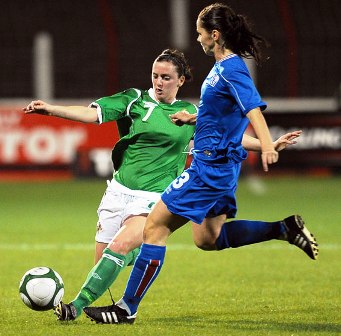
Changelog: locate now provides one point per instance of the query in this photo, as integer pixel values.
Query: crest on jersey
(214, 80)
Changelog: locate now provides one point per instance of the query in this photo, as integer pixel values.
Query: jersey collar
(227, 57)
(152, 95)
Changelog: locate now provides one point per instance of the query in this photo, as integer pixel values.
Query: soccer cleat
(65, 312)
(299, 235)
(109, 315)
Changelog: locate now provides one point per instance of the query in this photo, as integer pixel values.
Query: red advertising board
(31, 140)
(35, 142)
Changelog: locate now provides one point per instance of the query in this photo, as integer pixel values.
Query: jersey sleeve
(241, 87)
(115, 107)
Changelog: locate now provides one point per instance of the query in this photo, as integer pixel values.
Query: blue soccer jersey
(207, 188)
(227, 95)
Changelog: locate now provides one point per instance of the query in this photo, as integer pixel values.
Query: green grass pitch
(271, 288)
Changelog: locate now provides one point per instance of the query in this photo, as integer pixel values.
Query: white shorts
(118, 204)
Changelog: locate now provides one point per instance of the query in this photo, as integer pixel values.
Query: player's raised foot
(65, 312)
(109, 315)
(299, 235)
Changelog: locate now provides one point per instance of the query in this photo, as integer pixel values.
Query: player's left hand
(286, 140)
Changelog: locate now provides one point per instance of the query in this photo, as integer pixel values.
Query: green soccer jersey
(151, 151)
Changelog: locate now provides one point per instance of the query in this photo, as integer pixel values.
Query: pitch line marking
(170, 247)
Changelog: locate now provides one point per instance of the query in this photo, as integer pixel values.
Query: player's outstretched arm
(76, 113)
(253, 144)
(269, 154)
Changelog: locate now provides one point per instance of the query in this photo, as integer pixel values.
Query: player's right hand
(183, 117)
(37, 106)
(269, 157)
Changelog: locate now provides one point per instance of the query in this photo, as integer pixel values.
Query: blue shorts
(204, 191)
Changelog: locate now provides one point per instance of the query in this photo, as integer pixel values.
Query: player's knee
(205, 245)
(122, 246)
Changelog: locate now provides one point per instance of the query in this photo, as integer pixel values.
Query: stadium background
(98, 47)
(101, 46)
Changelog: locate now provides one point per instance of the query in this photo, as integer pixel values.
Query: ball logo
(179, 182)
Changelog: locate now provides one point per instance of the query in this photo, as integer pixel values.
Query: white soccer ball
(41, 288)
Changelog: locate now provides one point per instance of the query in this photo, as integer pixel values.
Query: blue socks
(150, 260)
(146, 269)
(244, 232)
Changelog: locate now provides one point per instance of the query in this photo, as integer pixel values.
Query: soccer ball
(41, 288)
